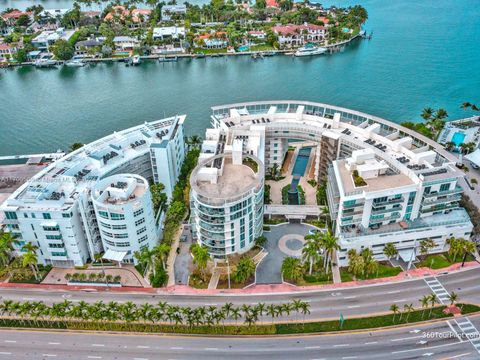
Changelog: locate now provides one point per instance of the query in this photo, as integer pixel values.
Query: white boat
(168, 58)
(45, 63)
(136, 60)
(75, 63)
(310, 50)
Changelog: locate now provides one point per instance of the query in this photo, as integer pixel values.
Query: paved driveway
(183, 261)
(269, 270)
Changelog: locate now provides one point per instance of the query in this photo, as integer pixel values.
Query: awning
(113, 255)
(474, 157)
(406, 255)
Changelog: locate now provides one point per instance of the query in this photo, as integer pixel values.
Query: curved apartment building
(125, 216)
(227, 202)
(385, 183)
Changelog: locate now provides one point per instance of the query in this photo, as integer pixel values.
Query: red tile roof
(272, 3)
(291, 29)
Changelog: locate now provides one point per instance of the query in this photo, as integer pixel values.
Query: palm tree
(162, 250)
(427, 113)
(30, 259)
(390, 250)
(408, 308)
(200, 257)
(292, 268)
(453, 298)
(272, 311)
(195, 140)
(147, 260)
(426, 245)
(433, 300)
(356, 263)
(236, 314)
(455, 247)
(245, 269)
(330, 244)
(370, 265)
(7, 242)
(425, 301)
(310, 253)
(394, 308)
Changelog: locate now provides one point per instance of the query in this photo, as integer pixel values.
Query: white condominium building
(55, 209)
(386, 183)
(125, 216)
(227, 192)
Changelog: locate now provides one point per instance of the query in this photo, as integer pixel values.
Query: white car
(314, 231)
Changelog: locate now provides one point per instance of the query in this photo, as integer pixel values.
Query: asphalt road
(324, 304)
(403, 343)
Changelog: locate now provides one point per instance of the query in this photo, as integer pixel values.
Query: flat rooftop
(234, 180)
(381, 182)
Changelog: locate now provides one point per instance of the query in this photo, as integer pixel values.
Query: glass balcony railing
(456, 190)
(388, 202)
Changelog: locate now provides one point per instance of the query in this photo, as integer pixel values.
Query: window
(105, 225)
(140, 221)
(143, 238)
(56, 246)
(120, 236)
(142, 230)
(59, 253)
(115, 216)
(119, 227)
(67, 215)
(138, 212)
(444, 187)
(47, 216)
(103, 214)
(51, 228)
(53, 237)
(10, 215)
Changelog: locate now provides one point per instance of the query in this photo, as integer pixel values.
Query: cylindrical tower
(124, 211)
(227, 203)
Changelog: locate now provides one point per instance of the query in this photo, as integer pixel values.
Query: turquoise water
(423, 53)
(458, 138)
(243, 48)
(301, 162)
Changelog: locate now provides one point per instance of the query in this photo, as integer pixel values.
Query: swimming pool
(458, 138)
(301, 162)
(243, 48)
(345, 30)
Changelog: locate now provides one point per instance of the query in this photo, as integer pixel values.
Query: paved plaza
(283, 241)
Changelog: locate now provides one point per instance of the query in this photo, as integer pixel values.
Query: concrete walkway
(172, 256)
(337, 279)
(214, 279)
(276, 188)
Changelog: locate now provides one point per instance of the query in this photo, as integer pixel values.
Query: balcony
(455, 197)
(384, 211)
(439, 208)
(389, 202)
(381, 220)
(457, 190)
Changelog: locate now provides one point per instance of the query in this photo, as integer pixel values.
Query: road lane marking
(53, 343)
(349, 297)
(401, 300)
(10, 341)
(354, 306)
(94, 357)
(407, 338)
(454, 331)
(457, 356)
(349, 357)
(143, 347)
(98, 345)
(210, 349)
(341, 345)
(312, 347)
(371, 343)
(176, 348)
(425, 348)
(49, 355)
(393, 292)
(5, 353)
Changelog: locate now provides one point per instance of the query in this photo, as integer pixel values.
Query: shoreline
(289, 52)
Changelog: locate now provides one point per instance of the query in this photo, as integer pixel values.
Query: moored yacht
(310, 50)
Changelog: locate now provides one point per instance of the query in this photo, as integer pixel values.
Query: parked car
(473, 165)
(314, 231)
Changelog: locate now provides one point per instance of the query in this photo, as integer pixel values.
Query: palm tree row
(427, 301)
(161, 313)
(319, 243)
(460, 246)
(363, 263)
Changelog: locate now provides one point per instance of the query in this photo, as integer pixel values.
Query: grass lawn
(439, 261)
(383, 271)
(316, 279)
(223, 282)
(261, 47)
(196, 282)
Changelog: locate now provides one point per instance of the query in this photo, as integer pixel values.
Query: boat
(45, 63)
(200, 55)
(75, 63)
(310, 50)
(136, 60)
(269, 53)
(168, 58)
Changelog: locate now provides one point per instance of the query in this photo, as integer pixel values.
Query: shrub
(160, 278)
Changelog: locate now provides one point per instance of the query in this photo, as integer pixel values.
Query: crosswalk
(468, 330)
(437, 289)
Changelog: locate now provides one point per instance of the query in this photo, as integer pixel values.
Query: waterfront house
(135, 18)
(170, 10)
(87, 46)
(7, 51)
(48, 38)
(11, 17)
(92, 14)
(298, 35)
(272, 4)
(168, 32)
(258, 34)
(125, 43)
(213, 40)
